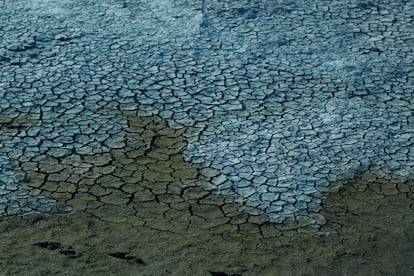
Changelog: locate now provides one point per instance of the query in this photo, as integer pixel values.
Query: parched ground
(206, 137)
(368, 231)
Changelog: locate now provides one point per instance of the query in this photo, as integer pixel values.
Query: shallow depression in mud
(368, 229)
(144, 210)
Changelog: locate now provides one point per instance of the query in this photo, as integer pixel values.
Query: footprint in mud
(66, 251)
(220, 273)
(127, 257)
(49, 245)
(70, 253)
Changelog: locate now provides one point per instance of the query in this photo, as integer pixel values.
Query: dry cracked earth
(206, 137)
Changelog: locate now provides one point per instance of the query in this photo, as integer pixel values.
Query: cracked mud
(367, 229)
(206, 137)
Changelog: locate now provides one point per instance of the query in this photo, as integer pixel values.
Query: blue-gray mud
(216, 127)
(283, 99)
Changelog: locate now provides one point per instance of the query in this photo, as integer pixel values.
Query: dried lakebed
(263, 135)
(283, 101)
(157, 215)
